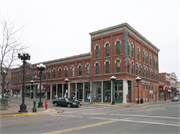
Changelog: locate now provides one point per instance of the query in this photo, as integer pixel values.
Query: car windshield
(69, 99)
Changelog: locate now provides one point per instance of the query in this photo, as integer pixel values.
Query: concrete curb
(121, 105)
(53, 111)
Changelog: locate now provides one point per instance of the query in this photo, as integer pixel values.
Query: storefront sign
(16, 87)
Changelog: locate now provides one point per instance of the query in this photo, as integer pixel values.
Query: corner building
(118, 51)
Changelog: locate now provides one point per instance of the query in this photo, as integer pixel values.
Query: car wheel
(69, 105)
(55, 103)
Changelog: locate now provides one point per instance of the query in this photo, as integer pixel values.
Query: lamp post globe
(23, 57)
(40, 68)
(137, 80)
(66, 80)
(113, 78)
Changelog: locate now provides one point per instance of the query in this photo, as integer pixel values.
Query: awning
(16, 87)
(72, 91)
(168, 90)
(161, 86)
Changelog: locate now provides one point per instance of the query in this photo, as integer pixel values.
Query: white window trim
(95, 46)
(96, 62)
(106, 61)
(117, 41)
(106, 43)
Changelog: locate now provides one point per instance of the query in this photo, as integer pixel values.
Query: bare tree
(10, 45)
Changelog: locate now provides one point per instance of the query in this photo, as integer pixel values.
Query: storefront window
(27, 91)
(38, 92)
(87, 91)
(97, 91)
(161, 94)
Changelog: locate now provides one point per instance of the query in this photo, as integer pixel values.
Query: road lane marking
(148, 122)
(80, 127)
(163, 117)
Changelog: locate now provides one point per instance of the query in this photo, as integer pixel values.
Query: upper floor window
(149, 73)
(107, 67)
(150, 60)
(54, 73)
(65, 72)
(79, 70)
(139, 70)
(44, 75)
(138, 53)
(146, 72)
(154, 62)
(49, 74)
(72, 71)
(128, 68)
(132, 66)
(136, 69)
(97, 51)
(87, 69)
(146, 57)
(132, 50)
(117, 47)
(97, 68)
(107, 49)
(118, 66)
(59, 70)
(143, 71)
(143, 56)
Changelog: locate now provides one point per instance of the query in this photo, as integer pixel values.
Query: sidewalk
(12, 111)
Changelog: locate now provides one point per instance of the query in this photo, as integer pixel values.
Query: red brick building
(118, 51)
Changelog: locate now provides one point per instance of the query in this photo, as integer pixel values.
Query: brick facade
(101, 38)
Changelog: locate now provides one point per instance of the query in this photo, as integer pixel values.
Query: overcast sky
(56, 29)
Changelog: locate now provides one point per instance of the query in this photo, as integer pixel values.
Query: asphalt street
(152, 118)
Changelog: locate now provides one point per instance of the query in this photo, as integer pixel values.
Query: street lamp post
(32, 88)
(40, 68)
(23, 57)
(137, 80)
(66, 80)
(113, 78)
(7, 83)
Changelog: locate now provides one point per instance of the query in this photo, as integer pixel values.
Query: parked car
(175, 99)
(66, 102)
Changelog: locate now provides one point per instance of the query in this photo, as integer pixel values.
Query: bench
(3, 102)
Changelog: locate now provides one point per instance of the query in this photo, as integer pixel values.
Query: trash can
(141, 101)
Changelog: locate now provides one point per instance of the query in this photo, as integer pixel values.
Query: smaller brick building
(167, 86)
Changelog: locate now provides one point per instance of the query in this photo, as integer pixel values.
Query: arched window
(97, 68)
(54, 73)
(117, 47)
(87, 69)
(59, 70)
(132, 66)
(136, 69)
(143, 56)
(118, 66)
(138, 53)
(139, 70)
(107, 49)
(72, 71)
(132, 50)
(65, 72)
(97, 52)
(107, 67)
(43, 75)
(79, 70)
(49, 74)
(143, 71)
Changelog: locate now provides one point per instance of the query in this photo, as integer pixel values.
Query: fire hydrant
(46, 105)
